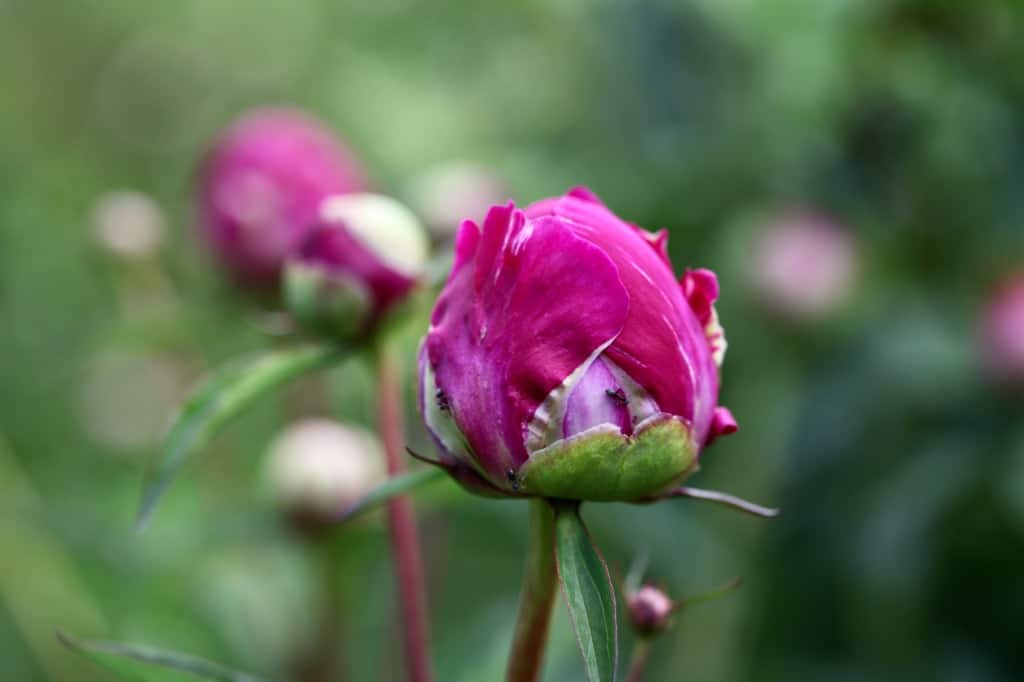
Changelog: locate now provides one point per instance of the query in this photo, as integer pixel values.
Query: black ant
(618, 395)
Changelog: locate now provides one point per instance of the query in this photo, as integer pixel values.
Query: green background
(899, 464)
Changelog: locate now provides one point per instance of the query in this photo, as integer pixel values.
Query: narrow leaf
(588, 592)
(225, 395)
(391, 488)
(129, 661)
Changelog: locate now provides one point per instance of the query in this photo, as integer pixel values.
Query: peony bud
(261, 186)
(1002, 331)
(362, 257)
(804, 266)
(446, 193)
(128, 224)
(565, 360)
(317, 467)
(650, 610)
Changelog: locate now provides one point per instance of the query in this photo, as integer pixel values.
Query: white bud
(449, 193)
(128, 224)
(384, 226)
(318, 466)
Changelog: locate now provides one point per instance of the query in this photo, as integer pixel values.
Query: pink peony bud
(804, 266)
(565, 360)
(261, 186)
(1002, 331)
(650, 610)
(362, 257)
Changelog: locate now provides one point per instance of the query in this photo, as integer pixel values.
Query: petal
(510, 329)
(700, 287)
(597, 399)
(722, 424)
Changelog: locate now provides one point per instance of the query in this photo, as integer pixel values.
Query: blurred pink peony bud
(445, 194)
(261, 186)
(650, 610)
(565, 360)
(362, 257)
(317, 467)
(804, 265)
(1002, 331)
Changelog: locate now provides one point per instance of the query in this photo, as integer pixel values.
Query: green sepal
(603, 465)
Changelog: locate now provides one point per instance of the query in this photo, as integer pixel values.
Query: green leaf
(587, 587)
(129, 661)
(222, 396)
(391, 488)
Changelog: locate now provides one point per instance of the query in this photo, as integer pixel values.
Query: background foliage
(900, 466)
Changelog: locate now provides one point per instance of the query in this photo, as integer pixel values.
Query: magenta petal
(700, 287)
(722, 424)
(510, 329)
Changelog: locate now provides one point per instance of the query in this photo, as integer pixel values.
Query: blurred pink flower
(261, 186)
(1002, 331)
(804, 265)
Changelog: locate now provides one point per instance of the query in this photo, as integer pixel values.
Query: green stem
(638, 664)
(538, 596)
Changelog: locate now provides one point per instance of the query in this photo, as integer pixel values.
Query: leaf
(125, 660)
(221, 397)
(588, 592)
(391, 488)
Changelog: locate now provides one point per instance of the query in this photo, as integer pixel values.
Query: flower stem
(537, 598)
(405, 542)
(638, 664)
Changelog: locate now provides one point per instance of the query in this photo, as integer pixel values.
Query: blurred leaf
(223, 396)
(391, 488)
(124, 660)
(587, 587)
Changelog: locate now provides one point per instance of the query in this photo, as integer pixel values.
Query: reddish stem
(641, 652)
(405, 542)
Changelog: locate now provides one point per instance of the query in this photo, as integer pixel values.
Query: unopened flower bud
(445, 194)
(1002, 332)
(650, 610)
(317, 467)
(261, 186)
(128, 224)
(565, 360)
(804, 265)
(362, 257)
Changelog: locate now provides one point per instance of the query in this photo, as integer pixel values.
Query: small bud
(317, 467)
(447, 193)
(128, 224)
(804, 266)
(1002, 332)
(650, 610)
(363, 257)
